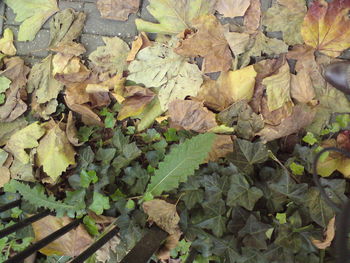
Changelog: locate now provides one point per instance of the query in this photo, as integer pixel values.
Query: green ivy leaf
(86, 177)
(90, 225)
(171, 135)
(310, 139)
(99, 203)
(297, 169)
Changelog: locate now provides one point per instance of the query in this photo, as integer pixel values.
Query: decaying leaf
(166, 217)
(55, 153)
(103, 254)
(71, 244)
(24, 171)
(191, 115)
(26, 138)
(278, 88)
(326, 26)
(65, 27)
(136, 99)
(222, 146)
(232, 8)
(329, 236)
(6, 43)
(4, 168)
(139, 43)
(174, 16)
(286, 16)
(9, 128)
(208, 42)
(253, 16)
(4, 84)
(275, 117)
(300, 118)
(71, 131)
(160, 67)
(112, 56)
(117, 9)
(301, 87)
(238, 42)
(33, 14)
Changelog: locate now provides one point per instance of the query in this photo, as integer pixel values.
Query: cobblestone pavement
(95, 28)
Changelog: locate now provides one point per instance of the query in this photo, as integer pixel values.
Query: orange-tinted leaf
(326, 26)
(329, 236)
(139, 43)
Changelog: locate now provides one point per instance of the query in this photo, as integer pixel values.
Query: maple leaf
(54, 152)
(232, 8)
(160, 67)
(65, 245)
(112, 56)
(326, 26)
(6, 43)
(117, 9)
(208, 42)
(191, 115)
(33, 14)
(174, 16)
(26, 138)
(287, 17)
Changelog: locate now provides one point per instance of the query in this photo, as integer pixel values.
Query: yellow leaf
(6, 43)
(326, 26)
(240, 82)
(55, 153)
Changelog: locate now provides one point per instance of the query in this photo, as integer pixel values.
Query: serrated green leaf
(241, 193)
(33, 14)
(180, 163)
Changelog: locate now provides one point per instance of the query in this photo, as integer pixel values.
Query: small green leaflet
(99, 203)
(182, 161)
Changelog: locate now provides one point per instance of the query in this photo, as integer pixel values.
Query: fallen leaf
(9, 128)
(139, 43)
(252, 17)
(33, 14)
(208, 42)
(26, 138)
(71, 71)
(343, 140)
(214, 95)
(136, 100)
(326, 26)
(239, 83)
(286, 16)
(65, 27)
(117, 9)
(103, 254)
(174, 16)
(54, 152)
(261, 44)
(275, 117)
(191, 115)
(301, 88)
(71, 131)
(111, 57)
(160, 67)
(4, 176)
(278, 88)
(24, 171)
(329, 236)
(232, 8)
(300, 118)
(6, 43)
(4, 84)
(71, 244)
(238, 42)
(222, 146)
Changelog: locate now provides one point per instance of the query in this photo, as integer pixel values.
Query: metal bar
(10, 205)
(146, 247)
(342, 235)
(23, 223)
(95, 246)
(192, 256)
(43, 242)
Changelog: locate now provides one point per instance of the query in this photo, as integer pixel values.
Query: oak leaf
(232, 8)
(117, 9)
(326, 26)
(208, 42)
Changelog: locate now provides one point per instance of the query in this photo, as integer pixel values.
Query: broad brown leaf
(208, 42)
(301, 88)
(117, 9)
(191, 115)
(139, 43)
(222, 146)
(232, 8)
(252, 17)
(71, 131)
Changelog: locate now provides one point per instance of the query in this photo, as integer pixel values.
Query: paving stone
(2, 15)
(145, 15)
(37, 47)
(99, 26)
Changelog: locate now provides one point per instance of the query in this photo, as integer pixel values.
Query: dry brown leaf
(4, 176)
(300, 118)
(222, 146)
(71, 244)
(170, 243)
(70, 48)
(139, 43)
(238, 42)
(329, 236)
(117, 9)
(252, 17)
(301, 87)
(275, 117)
(191, 115)
(103, 254)
(71, 131)
(136, 99)
(208, 42)
(232, 8)
(214, 95)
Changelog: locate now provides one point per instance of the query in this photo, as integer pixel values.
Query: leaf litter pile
(207, 128)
